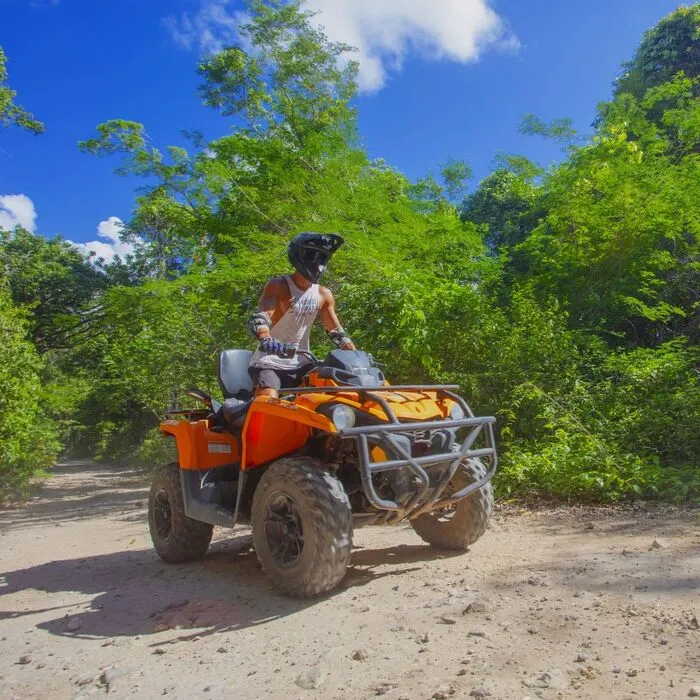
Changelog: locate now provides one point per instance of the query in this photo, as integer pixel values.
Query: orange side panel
(274, 428)
(200, 448)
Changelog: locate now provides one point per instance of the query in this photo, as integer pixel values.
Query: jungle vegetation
(563, 299)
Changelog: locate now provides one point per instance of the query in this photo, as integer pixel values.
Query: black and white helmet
(309, 253)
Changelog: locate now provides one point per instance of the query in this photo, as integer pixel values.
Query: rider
(286, 311)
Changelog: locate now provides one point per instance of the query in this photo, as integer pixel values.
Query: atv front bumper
(429, 489)
(431, 472)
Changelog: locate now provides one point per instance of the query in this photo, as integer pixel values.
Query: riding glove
(273, 346)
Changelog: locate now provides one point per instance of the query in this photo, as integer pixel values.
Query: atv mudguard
(273, 428)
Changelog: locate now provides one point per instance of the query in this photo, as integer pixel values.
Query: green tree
(505, 203)
(590, 297)
(560, 130)
(670, 47)
(619, 243)
(54, 281)
(455, 174)
(28, 442)
(12, 114)
(293, 137)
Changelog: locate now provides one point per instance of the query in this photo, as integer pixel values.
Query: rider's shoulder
(277, 284)
(326, 295)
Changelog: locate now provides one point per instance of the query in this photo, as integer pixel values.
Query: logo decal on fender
(218, 448)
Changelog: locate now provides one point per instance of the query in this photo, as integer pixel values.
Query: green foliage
(630, 432)
(563, 302)
(518, 165)
(526, 301)
(651, 399)
(293, 138)
(675, 108)
(561, 130)
(289, 84)
(673, 45)
(505, 203)
(12, 114)
(28, 443)
(455, 174)
(51, 278)
(572, 463)
(156, 450)
(619, 243)
(116, 136)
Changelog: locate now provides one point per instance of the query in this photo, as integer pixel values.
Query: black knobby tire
(302, 527)
(175, 537)
(466, 521)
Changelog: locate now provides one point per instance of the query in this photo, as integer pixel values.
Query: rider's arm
(260, 321)
(331, 323)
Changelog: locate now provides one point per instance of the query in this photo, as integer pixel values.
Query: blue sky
(442, 78)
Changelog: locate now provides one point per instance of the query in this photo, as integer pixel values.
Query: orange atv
(342, 450)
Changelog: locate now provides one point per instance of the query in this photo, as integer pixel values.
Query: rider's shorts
(277, 378)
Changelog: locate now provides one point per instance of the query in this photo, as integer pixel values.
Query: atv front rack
(428, 492)
(428, 495)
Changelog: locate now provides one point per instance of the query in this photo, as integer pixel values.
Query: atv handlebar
(309, 354)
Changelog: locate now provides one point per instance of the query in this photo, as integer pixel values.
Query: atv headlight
(456, 412)
(343, 417)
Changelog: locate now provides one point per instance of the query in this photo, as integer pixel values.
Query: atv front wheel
(458, 526)
(302, 527)
(176, 537)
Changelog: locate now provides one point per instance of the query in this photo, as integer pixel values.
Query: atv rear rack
(428, 495)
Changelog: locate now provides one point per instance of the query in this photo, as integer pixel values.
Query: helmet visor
(314, 262)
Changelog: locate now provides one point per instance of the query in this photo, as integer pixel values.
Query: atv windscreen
(350, 368)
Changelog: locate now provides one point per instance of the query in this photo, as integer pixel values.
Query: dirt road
(569, 603)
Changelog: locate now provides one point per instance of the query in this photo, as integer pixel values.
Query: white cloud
(386, 32)
(209, 30)
(110, 229)
(17, 210)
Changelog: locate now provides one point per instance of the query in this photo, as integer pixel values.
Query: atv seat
(236, 385)
(234, 379)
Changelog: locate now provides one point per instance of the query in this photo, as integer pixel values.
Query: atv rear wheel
(302, 527)
(458, 526)
(176, 537)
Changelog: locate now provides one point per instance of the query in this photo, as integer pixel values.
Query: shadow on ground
(134, 593)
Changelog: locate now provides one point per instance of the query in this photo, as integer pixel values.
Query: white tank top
(294, 327)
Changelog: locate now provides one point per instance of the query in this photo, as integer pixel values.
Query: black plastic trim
(196, 496)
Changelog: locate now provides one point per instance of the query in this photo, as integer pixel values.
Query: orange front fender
(274, 428)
